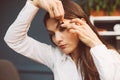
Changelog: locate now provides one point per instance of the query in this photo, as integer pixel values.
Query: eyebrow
(58, 25)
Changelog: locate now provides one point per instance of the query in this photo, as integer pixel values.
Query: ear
(83, 20)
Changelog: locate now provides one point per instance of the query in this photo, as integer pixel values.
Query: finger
(81, 23)
(60, 10)
(70, 26)
(56, 10)
(67, 25)
(51, 12)
(78, 21)
(73, 31)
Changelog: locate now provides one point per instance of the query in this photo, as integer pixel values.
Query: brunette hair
(88, 68)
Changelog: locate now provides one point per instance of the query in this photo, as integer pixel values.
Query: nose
(58, 38)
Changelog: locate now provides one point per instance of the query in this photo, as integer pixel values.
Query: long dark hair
(88, 68)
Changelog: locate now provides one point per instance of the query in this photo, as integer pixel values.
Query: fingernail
(63, 24)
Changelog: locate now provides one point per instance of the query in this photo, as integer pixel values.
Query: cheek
(53, 41)
(72, 37)
(72, 44)
(72, 40)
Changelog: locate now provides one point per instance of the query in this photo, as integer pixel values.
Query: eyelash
(61, 29)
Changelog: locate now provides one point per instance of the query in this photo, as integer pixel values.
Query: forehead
(53, 23)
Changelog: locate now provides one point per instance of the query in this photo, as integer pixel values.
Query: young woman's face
(62, 37)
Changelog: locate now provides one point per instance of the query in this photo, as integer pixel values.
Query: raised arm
(17, 38)
(106, 60)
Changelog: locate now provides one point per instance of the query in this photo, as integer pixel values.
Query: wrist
(96, 43)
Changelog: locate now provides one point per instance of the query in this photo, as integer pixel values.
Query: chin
(67, 51)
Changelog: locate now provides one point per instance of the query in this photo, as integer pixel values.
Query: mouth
(62, 46)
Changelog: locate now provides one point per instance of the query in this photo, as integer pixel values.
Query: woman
(80, 53)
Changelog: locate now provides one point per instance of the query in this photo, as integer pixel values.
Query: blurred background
(105, 15)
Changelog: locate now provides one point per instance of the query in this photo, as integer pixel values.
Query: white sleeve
(107, 62)
(17, 38)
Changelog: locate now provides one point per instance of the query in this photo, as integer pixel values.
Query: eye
(61, 29)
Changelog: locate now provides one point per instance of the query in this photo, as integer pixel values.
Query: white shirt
(63, 67)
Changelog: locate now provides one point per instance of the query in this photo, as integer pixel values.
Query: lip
(62, 46)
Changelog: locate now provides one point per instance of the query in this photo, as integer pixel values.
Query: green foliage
(107, 5)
